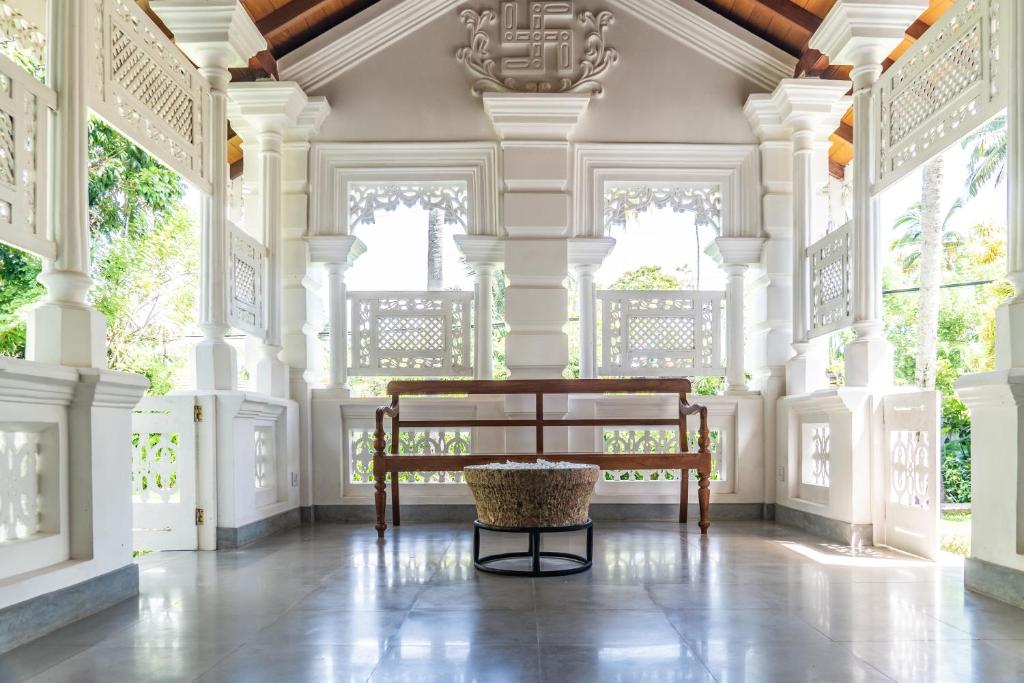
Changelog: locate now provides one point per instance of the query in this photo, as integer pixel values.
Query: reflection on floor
(751, 602)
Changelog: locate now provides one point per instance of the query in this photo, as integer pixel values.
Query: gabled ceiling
(786, 24)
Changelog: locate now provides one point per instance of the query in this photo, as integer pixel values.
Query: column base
(1010, 335)
(272, 373)
(69, 334)
(805, 372)
(216, 365)
(869, 363)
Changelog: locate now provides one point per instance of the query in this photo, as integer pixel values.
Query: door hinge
(197, 413)
(200, 516)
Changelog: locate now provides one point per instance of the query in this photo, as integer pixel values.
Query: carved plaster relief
(543, 46)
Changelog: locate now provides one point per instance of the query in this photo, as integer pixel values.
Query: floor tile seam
(690, 646)
(218, 662)
(383, 655)
(885, 676)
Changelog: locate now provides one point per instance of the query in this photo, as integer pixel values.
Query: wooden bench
(392, 463)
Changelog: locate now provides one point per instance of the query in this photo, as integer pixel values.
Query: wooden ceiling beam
(845, 131)
(793, 14)
(287, 15)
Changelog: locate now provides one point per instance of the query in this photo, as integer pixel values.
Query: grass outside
(955, 532)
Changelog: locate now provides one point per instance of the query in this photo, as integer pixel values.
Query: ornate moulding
(555, 50)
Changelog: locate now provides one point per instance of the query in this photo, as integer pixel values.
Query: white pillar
(811, 110)
(484, 254)
(736, 254)
(215, 36)
(862, 34)
(586, 254)
(64, 329)
(261, 111)
(337, 253)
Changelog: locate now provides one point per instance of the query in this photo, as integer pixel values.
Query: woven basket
(536, 497)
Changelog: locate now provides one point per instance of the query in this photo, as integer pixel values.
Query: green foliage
(988, 147)
(18, 291)
(648, 278)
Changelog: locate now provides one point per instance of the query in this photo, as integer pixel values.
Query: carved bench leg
(684, 494)
(396, 517)
(704, 497)
(380, 497)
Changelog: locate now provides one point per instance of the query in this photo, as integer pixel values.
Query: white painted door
(164, 474)
(912, 472)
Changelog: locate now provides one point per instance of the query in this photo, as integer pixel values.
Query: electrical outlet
(295, 478)
(781, 473)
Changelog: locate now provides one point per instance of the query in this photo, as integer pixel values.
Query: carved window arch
(704, 203)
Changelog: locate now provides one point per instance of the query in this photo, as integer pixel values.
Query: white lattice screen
(411, 333)
(658, 440)
(247, 270)
(829, 262)
(145, 87)
(661, 333)
(25, 106)
(453, 441)
(19, 485)
(949, 82)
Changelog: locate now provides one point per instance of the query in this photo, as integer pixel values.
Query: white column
(587, 301)
(337, 253)
(261, 112)
(862, 34)
(735, 377)
(65, 329)
(215, 36)
(811, 110)
(484, 326)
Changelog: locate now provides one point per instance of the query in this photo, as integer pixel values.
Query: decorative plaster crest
(547, 55)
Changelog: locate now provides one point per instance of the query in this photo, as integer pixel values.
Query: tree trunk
(435, 275)
(931, 273)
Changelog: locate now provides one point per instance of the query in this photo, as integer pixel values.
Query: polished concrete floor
(751, 602)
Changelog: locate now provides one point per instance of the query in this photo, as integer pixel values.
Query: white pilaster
(337, 253)
(736, 254)
(216, 35)
(863, 33)
(64, 329)
(537, 210)
(586, 256)
(811, 110)
(483, 254)
(260, 112)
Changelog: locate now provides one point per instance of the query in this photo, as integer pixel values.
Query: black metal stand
(533, 551)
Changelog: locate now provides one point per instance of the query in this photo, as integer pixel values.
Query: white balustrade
(661, 333)
(815, 455)
(247, 283)
(411, 333)
(829, 263)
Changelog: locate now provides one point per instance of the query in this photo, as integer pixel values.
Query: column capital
(736, 251)
(481, 249)
(811, 106)
(589, 251)
(309, 120)
(335, 249)
(762, 112)
(212, 33)
(265, 107)
(535, 116)
(864, 32)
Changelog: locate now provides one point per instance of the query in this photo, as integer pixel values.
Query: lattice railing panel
(155, 464)
(658, 440)
(949, 82)
(23, 34)
(149, 90)
(451, 441)
(815, 452)
(830, 263)
(661, 333)
(19, 485)
(247, 271)
(411, 333)
(25, 106)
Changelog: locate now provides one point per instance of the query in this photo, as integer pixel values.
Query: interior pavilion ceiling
(786, 24)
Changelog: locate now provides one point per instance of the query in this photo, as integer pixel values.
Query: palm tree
(988, 154)
(925, 229)
(435, 273)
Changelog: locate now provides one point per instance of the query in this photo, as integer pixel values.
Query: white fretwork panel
(247, 269)
(163, 478)
(913, 474)
(829, 262)
(815, 453)
(25, 106)
(22, 38)
(661, 333)
(659, 440)
(19, 485)
(144, 86)
(622, 202)
(949, 82)
(411, 333)
(450, 441)
(366, 199)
